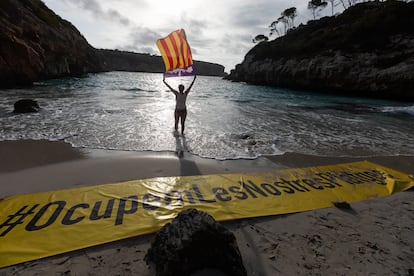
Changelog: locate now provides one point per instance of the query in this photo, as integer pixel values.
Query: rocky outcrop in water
(26, 106)
(368, 50)
(36, 44)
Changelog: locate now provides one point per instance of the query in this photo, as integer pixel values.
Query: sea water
(226, 120)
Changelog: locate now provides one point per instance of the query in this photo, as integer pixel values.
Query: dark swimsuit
(181, 111)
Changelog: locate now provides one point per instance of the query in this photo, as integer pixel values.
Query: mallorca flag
(176, 54)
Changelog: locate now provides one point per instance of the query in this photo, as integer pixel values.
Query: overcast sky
(218, 31)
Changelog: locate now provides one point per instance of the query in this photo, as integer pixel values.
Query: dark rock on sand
(193, 242)
(26, 106)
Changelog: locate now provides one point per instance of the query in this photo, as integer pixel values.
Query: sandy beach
(373, 238)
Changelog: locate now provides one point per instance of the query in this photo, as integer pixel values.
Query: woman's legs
(183, 116)
(180, 115)
(177, 117)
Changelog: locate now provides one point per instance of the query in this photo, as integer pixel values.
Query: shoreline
(30, 166)
(373, 237)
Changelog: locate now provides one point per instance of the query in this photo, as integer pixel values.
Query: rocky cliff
(368, 50)
(37, 44)
(115, 60)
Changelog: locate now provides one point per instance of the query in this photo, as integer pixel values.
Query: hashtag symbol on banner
(16, 219)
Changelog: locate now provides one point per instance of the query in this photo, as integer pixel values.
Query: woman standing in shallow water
(180, 112)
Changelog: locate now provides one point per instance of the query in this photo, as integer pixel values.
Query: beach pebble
(341, 204)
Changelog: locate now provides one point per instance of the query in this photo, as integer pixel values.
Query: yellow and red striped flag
(176, 54)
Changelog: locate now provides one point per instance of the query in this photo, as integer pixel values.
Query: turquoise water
(226, 120)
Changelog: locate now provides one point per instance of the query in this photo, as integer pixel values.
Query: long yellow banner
(39, 225)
